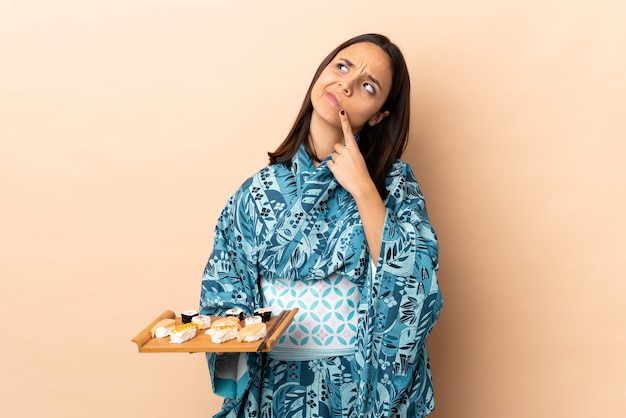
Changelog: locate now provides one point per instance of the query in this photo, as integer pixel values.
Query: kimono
(296, 222)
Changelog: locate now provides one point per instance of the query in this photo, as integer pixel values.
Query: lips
(332, 98)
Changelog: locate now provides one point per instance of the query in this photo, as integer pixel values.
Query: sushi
(249, 320)
(252, 332)
(224, 329)
(162, 328)
(236, 312)
(264, 313)
(183, 333)
(188, 315)
(202, 321)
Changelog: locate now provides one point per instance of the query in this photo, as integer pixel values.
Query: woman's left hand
(347, 163)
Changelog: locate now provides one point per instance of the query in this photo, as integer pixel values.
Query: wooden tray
(202, 343)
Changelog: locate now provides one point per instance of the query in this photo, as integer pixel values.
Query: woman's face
(358, 81)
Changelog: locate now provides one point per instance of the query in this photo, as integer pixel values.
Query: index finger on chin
(346, 127)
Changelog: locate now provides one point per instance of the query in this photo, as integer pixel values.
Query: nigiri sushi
(252, 332)
(183, 333)
(224, 329)
(162, 328)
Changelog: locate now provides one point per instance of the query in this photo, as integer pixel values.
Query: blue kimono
(298, 223)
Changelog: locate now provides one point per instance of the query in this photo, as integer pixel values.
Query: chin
(329, 116)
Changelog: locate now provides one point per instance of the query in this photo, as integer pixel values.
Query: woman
(337, 226)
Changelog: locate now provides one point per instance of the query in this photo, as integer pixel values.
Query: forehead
(369, 58)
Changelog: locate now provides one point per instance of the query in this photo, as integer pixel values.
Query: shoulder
(399, 171)
(250, 185)
(270, 170)
(402, 184)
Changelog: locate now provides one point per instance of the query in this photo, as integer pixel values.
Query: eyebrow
(371, 77)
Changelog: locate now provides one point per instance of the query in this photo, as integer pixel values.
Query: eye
(369, 88)
(342, 67)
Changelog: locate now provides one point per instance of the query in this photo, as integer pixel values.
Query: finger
(337, 149)
(347, 128)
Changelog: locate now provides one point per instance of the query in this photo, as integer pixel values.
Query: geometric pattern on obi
(326, 322)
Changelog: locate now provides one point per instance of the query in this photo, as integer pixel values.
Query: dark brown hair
(380, 144)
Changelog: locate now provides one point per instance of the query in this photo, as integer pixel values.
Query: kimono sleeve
(230, 281)
(399, 308)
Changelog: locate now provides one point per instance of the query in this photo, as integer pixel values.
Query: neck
(323, 136)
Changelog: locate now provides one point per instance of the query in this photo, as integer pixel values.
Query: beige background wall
(124, 127)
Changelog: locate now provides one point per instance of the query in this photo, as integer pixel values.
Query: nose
(346, 86)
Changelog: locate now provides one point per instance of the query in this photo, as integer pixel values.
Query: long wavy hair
(380, 144)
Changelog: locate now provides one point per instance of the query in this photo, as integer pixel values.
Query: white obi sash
(326, 321)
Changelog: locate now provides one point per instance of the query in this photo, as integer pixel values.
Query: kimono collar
(303, 167)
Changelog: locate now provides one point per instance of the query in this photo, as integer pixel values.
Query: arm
(372, 211)
(399, 306)
(229, 280)
(350, 170)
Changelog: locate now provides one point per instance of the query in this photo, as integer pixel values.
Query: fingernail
(343, 112)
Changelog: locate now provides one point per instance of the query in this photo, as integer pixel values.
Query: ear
(375, 120)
